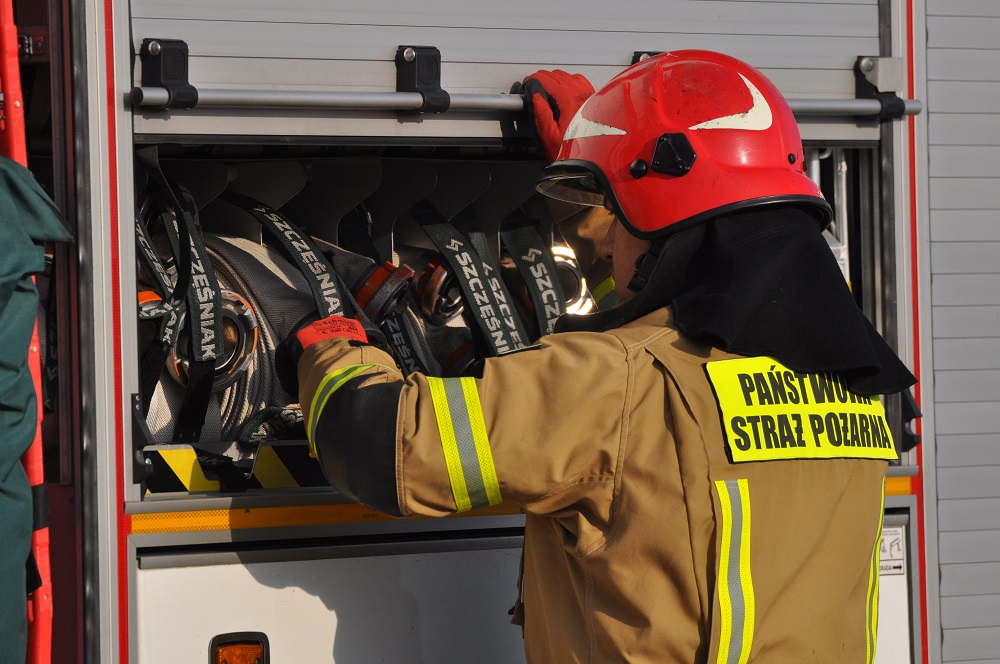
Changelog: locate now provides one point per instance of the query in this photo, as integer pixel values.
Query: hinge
(165, 65)
(33, 44)
(418, 69)
(880, 79)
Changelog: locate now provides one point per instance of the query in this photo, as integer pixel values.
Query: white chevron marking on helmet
(581, 127)
(758, 118)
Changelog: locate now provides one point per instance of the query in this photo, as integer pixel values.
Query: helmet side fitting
(681, 138)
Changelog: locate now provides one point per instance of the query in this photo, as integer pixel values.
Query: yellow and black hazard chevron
(183, 469)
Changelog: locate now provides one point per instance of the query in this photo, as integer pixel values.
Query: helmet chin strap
(644, 266)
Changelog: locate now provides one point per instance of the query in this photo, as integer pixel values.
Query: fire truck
(170, 545)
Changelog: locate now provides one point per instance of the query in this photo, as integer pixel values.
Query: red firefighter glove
(555, 97)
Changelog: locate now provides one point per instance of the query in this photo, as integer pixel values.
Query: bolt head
(154, 48)
(409, 55)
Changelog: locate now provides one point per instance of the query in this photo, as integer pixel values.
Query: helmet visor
(578, 187)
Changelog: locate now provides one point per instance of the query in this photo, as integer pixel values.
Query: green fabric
(28, 218)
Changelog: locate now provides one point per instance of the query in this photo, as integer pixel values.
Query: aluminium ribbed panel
(970, 546)
(972, 514)
(968, 450)
(979, 417)
(969, 482)
(966, 386)
(970, 579)
(967, 354)
(807, 48)
(966, 322)
(977, 288)
(963, 104)
(965, 259)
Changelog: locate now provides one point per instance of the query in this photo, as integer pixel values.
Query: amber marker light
(239, 648)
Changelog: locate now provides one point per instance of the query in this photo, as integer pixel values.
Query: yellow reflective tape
(604, 289)
(270, 471)
(446, 431)
(275, 517)
(725, 604)
(770, 412)
(330, 384)
(252, 517)
(735, 582)
(478, 426)
(184, 464)
(898, 486)
(746, 579)
(874, 571)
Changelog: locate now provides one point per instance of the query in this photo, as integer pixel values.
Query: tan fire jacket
(682, 504)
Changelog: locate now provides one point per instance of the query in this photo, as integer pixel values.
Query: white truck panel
(397, 608)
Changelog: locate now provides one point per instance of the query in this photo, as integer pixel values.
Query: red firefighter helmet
(682, 137)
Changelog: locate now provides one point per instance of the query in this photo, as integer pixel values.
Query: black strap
(168, 310)
(486, 298)
(469, 225)
(150, 157)
(41, 512)
(399, 335)
(50, 372)
(533, 257)
(33, 580)
(204, 312)
(168, 313)
(197, 276)
(331, 296)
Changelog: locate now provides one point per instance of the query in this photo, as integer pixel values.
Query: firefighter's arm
(541, 428)
(348, 390)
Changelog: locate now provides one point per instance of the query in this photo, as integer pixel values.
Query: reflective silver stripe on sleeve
(464, 442)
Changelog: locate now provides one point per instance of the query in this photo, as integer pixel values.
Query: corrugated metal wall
(808, 48)
(963, 105)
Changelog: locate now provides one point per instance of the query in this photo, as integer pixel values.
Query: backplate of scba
(364, 206)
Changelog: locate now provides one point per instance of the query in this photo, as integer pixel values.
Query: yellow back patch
(770, 412)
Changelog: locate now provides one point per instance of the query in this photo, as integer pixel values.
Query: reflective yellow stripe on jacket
(330, 384)
(873, 578)
(464, 442)
(604, 289)
(735, 584)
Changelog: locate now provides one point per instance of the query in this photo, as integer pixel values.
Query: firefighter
(701, 466)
